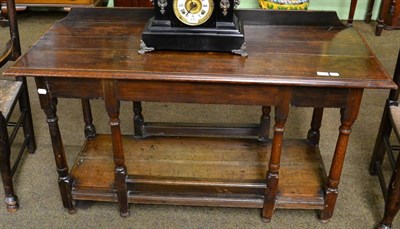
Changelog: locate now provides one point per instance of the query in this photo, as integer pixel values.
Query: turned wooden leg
(27, 124)
(90, 130)
(379, 28)
(392, 203)
(313, 135)
(348, 116)
(386, 6)
(272, 177)
(49, 106)
(112, 107)
(353, 5)
(10, 199)
(379, 149)
(368, 15)
(265, 122)
(138, 120)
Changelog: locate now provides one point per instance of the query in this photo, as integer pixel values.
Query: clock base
(224, 37)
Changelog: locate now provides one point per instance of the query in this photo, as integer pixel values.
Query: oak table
(302, 59)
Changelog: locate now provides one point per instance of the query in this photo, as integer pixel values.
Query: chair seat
(9, 91)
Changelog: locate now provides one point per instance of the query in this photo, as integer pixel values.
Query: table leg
(348, 116)
(90, 130)
(368, 15)
(265, 121)
(112, 107)
(272, 177)
(10, 199)
(313, 135)
(138, 120)
(49, 106)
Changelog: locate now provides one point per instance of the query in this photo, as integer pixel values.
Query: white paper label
(42, 91)
(328, 74)
(323, 73)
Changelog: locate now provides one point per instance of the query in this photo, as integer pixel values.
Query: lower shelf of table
(200, 171)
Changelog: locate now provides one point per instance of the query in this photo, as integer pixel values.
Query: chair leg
(379, 150)
(392, 204)
(27, 123)
(10, 199)
(353, 5)
(368, 15)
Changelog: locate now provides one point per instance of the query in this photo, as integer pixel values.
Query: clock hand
(192, 6)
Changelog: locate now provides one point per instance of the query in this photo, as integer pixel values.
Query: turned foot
(125, 214)
(383, 226)
(325, 216)
(378, 29)
(90, 131)
(12, 204)
(72, 211)
(265, 219)
(324, 221)
(31, 145)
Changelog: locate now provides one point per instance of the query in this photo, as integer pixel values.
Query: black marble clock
(194, 25)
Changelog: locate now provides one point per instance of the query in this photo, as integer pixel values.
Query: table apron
(194, 92)
(203, 93)
(320, 97)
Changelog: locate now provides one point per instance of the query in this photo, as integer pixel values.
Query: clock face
(193, 12)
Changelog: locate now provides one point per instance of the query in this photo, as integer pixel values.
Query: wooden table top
(284, 48)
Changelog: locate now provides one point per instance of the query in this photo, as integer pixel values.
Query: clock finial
(225, 5)
(236, 4)
(162, 4)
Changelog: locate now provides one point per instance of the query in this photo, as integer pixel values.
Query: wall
(340, 6)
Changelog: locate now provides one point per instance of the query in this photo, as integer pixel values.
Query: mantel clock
(194, 25)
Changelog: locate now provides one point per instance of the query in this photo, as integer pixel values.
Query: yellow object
(284, 4)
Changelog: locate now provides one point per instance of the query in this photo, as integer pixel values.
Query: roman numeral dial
(193, 12)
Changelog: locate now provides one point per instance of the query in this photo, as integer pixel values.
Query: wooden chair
(11, 93)
(390, 121)
(388, 16)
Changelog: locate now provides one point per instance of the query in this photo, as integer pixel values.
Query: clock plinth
(228, 37)
(194, 25)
